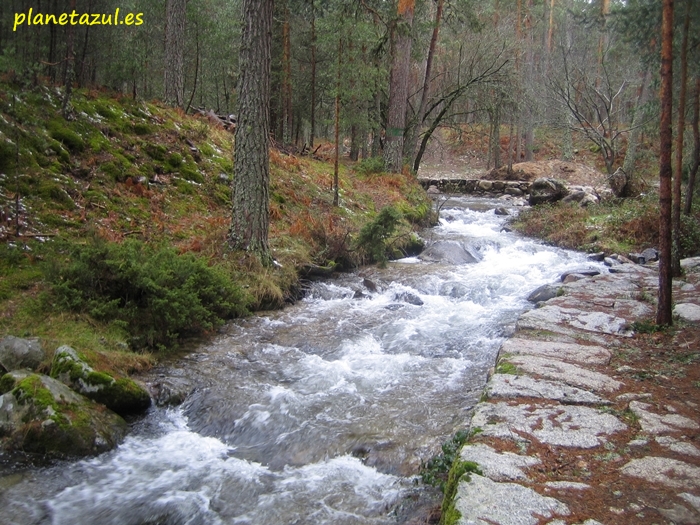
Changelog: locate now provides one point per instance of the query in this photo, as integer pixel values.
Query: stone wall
(479, 187)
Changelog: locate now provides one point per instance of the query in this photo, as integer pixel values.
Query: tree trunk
(313, 77)
(495, 142)
(70, 66)
(529, 118)
(415, 137)
(550, 30)
(286, 79)
(629, 164)
(174, 72)
(251, 206)
(336, 159)
(398, 86)
(696, 154)
(680, 133)
(664, 311)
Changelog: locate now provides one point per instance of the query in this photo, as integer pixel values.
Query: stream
(321, 413)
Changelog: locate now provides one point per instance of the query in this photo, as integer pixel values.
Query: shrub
(690, 236)
(370, 165)
(373, 236)
(156, 294)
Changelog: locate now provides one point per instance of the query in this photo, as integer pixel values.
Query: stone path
(563, 437)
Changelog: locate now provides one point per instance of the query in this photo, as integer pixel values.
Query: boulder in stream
(123, 396)
(544, 293)
(450, 252)
(41, 415)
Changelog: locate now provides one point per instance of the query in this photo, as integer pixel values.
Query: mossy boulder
(41, 415)
(122, 395)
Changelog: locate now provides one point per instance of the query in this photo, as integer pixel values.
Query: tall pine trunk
(251, 205)
(398, 85)
(696, 150)
(629, 164)
(312, 138)
(680, 133)
(664, 310)
(420, 114)
(174, 72)
(70, 66)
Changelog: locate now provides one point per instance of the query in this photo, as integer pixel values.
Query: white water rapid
(318, 414)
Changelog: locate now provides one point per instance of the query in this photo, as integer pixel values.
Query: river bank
(585, 420)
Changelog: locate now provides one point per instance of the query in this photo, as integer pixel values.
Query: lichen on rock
(122, 395)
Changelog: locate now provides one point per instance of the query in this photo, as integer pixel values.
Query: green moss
(32, 388)
(174, 160)
(8, 154)
(141, 128)
(460, 470)
(60, 131)
(504, 367)
(124, 396)
(156, 151)
(106, 110)
(58, 148)
(191, 173)
(7, 383)
(99, 378)
(51, 189)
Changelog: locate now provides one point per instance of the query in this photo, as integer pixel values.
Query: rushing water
(318, 414)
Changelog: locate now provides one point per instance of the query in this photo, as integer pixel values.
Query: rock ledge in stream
(41, 415)
(124, 396)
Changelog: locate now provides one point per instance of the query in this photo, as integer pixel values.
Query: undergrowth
(619, 226)
(155, 294)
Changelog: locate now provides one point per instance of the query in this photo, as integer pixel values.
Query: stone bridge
(479, 186)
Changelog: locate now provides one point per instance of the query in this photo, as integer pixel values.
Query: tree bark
(174, 72)
(398, 85)
(251, 206)
(336, 158)
(70, 66)
(629, 164)
(426, 84)
(312, 138)
(696, 150)
(286, 79)
(664, 309)
(680, 133)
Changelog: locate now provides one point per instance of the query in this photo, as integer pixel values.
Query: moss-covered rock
(41, 415)
(122, 395)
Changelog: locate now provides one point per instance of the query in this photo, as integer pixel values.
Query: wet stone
(565, 351)
(566, 372)
(552, 317)
(678, 446)
(670, 472)
(653, 423)
(498, 466)
(485, 502)
(566, 426)
(508, 386)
